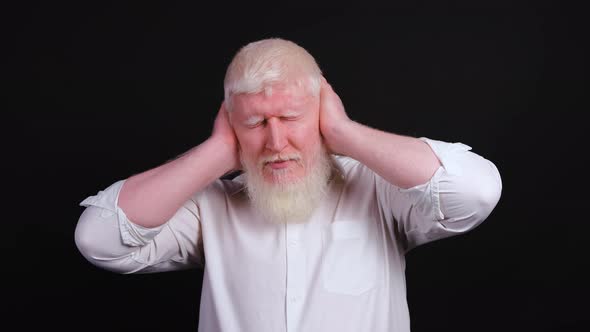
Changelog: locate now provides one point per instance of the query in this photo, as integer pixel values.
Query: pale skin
(277, 125)
(280, 127)
(401, 160)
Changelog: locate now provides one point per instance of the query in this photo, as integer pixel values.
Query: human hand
(333, 118)
(224, 133)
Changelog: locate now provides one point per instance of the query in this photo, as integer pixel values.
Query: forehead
(275, 99)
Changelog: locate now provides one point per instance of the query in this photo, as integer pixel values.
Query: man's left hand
(333, 119)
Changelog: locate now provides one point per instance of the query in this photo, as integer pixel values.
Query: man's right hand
(152, 197)
(225, 135)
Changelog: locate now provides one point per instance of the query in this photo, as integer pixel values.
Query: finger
(324, 88)
(327, 87)
(324, 83)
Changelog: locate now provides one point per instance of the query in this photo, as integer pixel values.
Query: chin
(291, 194)
(282, 177)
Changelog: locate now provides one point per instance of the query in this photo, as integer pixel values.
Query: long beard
(289, 201)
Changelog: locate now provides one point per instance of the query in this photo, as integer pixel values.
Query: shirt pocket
(350, 258)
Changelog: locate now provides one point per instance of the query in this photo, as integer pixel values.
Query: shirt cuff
(131, 234)
(446, 152)
(427, 195)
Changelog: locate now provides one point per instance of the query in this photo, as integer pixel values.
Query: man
(312, 235)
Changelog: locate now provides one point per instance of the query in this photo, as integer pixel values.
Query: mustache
(279, 158)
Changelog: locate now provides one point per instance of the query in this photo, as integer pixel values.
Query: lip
(279, 164)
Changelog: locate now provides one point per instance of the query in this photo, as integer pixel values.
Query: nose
(276, 139)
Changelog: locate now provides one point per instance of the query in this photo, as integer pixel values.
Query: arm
(152, 197)
(429, 189)
(403, 161)
(149, 222)
(109, 240)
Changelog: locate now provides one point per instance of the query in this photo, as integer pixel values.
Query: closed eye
(290, 118)
(254, 122)
(257, 124)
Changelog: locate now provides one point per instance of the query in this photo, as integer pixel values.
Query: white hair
(262, 64)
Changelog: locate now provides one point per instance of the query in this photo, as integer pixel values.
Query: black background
(97, 92)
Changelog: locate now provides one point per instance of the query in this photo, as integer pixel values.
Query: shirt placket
(295, 275)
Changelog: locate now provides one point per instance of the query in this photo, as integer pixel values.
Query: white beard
(289, 201)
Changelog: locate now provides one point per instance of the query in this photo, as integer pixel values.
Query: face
(278, 132)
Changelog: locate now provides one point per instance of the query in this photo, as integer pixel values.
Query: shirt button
(293, 242)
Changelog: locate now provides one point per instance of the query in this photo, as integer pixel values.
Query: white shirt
(343, 270)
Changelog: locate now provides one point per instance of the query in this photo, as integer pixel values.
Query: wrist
(226, 151)
(338, 136)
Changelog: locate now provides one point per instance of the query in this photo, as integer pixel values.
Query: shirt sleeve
(460, 195)
(108, 239)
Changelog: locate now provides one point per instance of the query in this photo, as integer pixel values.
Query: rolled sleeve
(131, 234)
(108, 239)
(459, 196)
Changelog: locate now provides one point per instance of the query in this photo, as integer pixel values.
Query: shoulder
(221, 188)
(353, 172)
(349, 167)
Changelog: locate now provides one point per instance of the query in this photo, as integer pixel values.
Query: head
(272, 94)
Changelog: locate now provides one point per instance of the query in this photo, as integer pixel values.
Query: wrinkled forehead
(274, 98)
